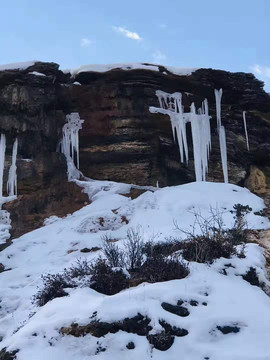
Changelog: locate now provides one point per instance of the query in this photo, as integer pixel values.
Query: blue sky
(222, 34)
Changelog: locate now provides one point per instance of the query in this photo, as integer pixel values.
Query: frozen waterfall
(171, 104)
(12, 176)
(245, 126)
(222, 135)
(70, 143)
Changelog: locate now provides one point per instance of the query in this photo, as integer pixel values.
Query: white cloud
(85, 42)
(127, 33)
(158, 57)
(263, 73)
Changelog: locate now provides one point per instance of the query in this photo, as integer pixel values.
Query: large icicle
(218, 95)
(171, 104)
(2, 161)
(12, 176)
(223, 150)
(222, 135)
(196, 139)
(245, 126)
(70, 143)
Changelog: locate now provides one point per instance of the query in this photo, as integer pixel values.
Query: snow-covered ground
(230, 299)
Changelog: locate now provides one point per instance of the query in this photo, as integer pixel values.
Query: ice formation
(171, 104)
(222, 135)
(245, 126)
(218, 95)
(12, 176)
(2, 161)
(70, 143)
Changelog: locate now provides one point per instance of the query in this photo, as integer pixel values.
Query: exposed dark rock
(175, 309)
(93, 249)
(130, 345)
(173, 330)
(137, 325)
(252, 277)
(161, 341)
(228, 329)
(6, 355)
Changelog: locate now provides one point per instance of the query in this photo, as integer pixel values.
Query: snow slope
(50, 249)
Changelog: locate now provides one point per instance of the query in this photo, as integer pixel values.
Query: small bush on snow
(53, 287)
(214, 240)
(99, 276)
(131, 257)
(107, 280)
(203, 249)
(160, 268)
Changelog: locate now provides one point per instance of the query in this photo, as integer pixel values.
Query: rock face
(121, 140)
(32, 109)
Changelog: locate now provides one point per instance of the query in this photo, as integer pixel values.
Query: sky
(231, 35)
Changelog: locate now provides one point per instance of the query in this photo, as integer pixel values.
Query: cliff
(121, 140)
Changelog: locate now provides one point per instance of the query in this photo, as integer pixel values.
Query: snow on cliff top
(129, 66)
(104, 68)
(230, 300)
(17, 66)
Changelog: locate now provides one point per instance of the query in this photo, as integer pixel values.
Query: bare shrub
(80, 269)
(214, 240)
(134, 248)
(160, 268)
(53, 287)
(114, 255)
(206, 250)
(107, 280)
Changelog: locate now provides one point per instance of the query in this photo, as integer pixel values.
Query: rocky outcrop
(31, 109)
(121, 140)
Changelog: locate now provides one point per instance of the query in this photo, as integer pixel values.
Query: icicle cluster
(171, 104)
(12, 177)
(222, 135)
(70, 142)
(245, 127)
(2, 161)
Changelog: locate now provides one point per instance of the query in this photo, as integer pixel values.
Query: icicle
(218, 95)
(196, 139)
(2, 161)
(223, 150)
(200, 127)
(245, 126)
(222, 136)
(70, 142)
(12, 176)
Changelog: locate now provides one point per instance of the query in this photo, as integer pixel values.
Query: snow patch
(36, 73)
(17, 66)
